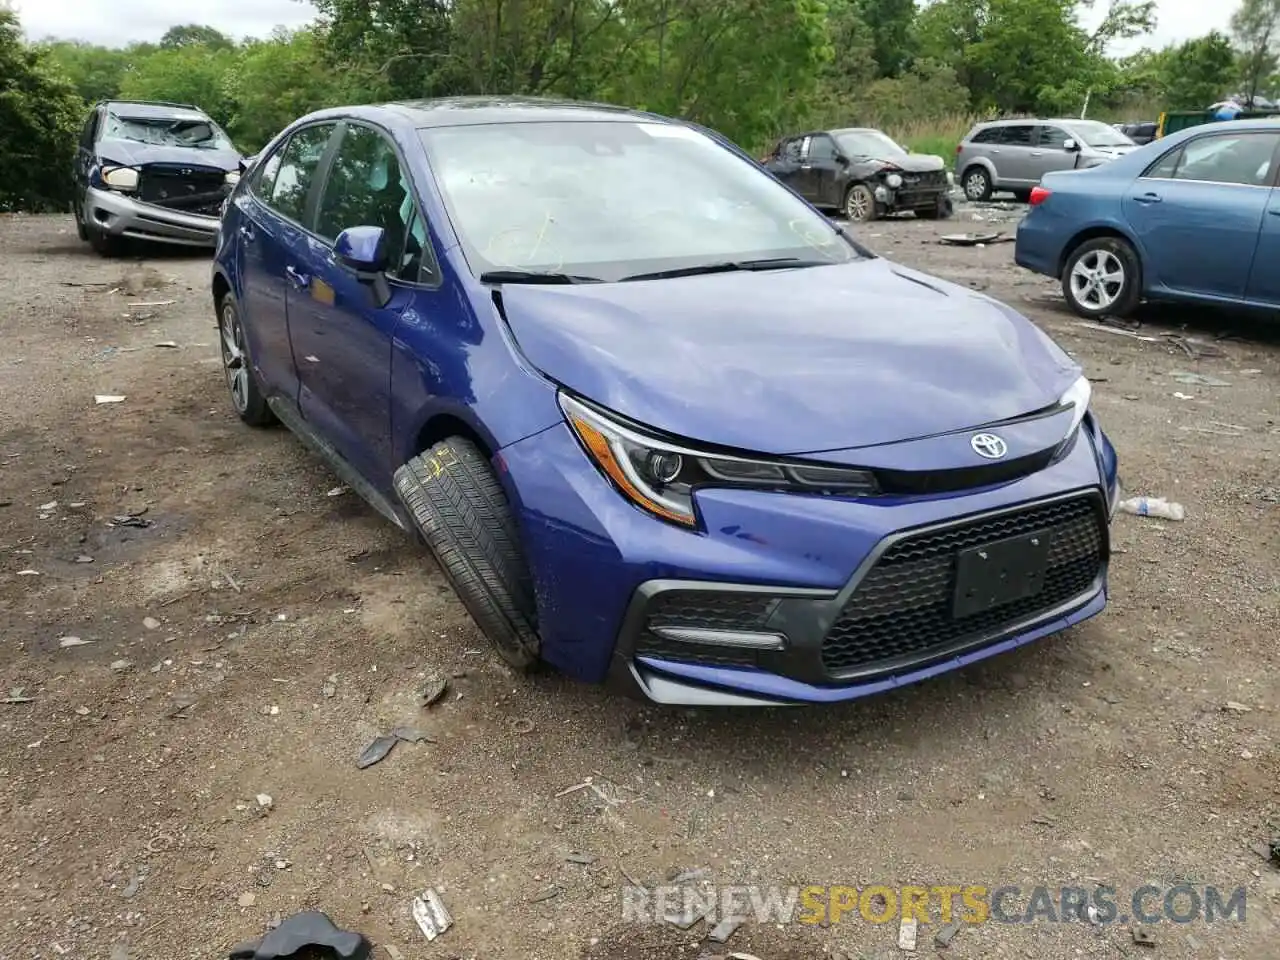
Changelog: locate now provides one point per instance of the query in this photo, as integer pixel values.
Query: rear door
(823, 172)
(1197, 212)
(341, 336)
(1015, 165)
(273, 212)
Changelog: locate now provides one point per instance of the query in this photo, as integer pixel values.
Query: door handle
(1274, 211)
(805, 166)
(246, 231)
(299, 280)
(1036, 153)
(1148, 198)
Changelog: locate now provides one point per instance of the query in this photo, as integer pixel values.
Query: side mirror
(363, 250)
(842, 159)
(1070, 145)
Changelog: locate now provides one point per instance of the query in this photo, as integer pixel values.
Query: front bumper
(791, 599)
(119, 215)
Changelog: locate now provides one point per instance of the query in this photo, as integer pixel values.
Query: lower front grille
(190, 189)
(710, 609)
(901, 611)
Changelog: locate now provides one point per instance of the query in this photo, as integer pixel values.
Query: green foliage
(1255, 27)
(40, 115)
(195, 35)
(96, 72)
(1199, 72)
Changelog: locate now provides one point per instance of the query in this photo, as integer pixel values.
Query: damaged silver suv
(152, 171)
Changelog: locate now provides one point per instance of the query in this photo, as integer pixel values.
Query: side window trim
(321, 172)
(1181, 150)
(429, 259)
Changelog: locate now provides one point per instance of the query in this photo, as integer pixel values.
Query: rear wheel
(977, 184)
(458, 505)
(246, 395)
(1102, 278)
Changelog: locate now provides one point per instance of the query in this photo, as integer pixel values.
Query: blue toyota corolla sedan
(1192, 217)
(657, 418)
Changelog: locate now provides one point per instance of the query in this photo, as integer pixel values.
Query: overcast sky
(117, 22)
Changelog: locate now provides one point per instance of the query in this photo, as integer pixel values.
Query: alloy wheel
(234, 360)
(860, 204)
(1097, 280)
(975, 185)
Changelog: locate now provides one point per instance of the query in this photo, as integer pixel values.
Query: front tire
(942, 211)
(860, 204)
(246, 393)
(977, 184)
(103, 243)
(1103, 278)
(458, 505)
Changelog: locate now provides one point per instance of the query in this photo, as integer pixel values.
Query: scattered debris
(1089, 325)
(411, 735)
(330, 688)
(907, 934)
(1197, 379)
(1143, 937)
(180, 704)
(586, 859)
(1153, 507)
(131, 520)
(431, 915)
(28, 573)
(546, 893)
(688, 876)
(108, 398)
(265, 801)
(973, 239)
(83, 558)
(308, 929)
(120, 666)
(376, 751)
(574, 789)
(521, 725)
(1183, 396)
(167, 343)
(686, 917)
(336, 492)
(17, 698)
(151, 303)
(1232, 707)
(247, 899)
(725, 929)
(151, 623)
(433, 689)
(74, 642)
(948, 933)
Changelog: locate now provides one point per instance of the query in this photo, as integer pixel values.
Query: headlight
(1077, 396)
(660, 476)
(120, 178)
(233, 177)
(893, 180)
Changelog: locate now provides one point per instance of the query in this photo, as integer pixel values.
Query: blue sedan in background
(657, 418)
(1193, 217)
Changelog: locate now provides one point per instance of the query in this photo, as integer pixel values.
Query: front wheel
(977, 184)
(1102, 278)
(860, 203)
(458, 505)
(941, 211)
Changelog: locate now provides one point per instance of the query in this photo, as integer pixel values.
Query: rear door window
(286, 185)
(1018, 135)
(989, 135)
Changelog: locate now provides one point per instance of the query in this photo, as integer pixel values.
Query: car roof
(837, 132)
(474, 110)
(147, 109)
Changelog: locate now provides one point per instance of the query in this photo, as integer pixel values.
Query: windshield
(611, 199)
(1097, 134)
(869, 143)
(168, 131)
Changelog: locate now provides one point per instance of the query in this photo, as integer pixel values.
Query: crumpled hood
(918, 163)
(791, 361)
(135, 154)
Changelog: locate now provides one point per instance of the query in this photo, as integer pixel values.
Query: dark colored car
(152, 171)
(1140, 133)
(861, 172)
(657, 417)
(1193, 217)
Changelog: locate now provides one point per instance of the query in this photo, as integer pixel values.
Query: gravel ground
(262, 628)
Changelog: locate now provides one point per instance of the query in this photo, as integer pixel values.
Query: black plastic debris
(972, 239)
(308, 929)
(376, 751)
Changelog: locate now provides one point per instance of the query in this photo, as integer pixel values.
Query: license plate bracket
(999, 573)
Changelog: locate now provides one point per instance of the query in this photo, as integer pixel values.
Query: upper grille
(703, 608)
(191, 189)
(923, 482)
(901, 611)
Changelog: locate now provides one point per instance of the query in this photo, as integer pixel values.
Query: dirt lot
(261, 630)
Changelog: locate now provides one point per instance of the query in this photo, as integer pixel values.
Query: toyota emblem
(988, 445)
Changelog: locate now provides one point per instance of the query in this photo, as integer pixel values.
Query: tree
(1199, 72)
(187, 74)
(96, 72)
(195, 35)
(40, 115)
(890, 22)
(1255, 26)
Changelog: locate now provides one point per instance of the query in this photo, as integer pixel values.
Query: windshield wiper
(730, 266)
(533, 276)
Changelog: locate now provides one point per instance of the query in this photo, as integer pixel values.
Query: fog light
(893, 180)
(882, 194)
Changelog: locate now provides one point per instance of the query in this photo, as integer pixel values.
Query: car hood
(918, 163)
(791, 361)
(1115, 151)
(135, 154)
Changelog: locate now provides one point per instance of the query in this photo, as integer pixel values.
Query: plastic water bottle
(1153, 507)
